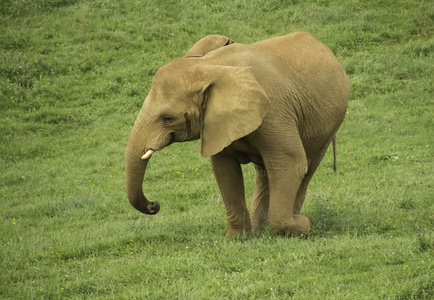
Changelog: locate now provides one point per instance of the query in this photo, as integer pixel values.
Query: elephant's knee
(298, 225)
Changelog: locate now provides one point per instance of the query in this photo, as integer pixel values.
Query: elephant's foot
(239, 224)
(239, 229)
(237, 232)
(298, 226)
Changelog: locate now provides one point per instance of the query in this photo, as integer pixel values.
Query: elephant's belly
(256, 159)
(244, 153)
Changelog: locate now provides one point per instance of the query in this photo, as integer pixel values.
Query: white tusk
(148, 154)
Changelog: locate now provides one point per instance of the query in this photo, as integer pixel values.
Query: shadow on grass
(326, 217)
(329, 217)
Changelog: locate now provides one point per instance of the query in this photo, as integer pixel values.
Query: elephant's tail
(334, 153)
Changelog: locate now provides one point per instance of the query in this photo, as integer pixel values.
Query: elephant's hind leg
(260, 200)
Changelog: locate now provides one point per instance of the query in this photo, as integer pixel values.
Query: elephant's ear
(208, 44)
(234, 105)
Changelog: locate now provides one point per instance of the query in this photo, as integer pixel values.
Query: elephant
(277, 103)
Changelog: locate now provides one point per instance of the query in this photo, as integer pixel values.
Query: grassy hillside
(73, 76)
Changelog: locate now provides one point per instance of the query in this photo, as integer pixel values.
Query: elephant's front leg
(229, 178)
(285, 176)
(260, 199)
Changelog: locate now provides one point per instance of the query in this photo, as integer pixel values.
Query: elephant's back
(308, 63)
(289, 63)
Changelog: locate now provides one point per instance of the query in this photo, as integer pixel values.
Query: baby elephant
(277, 103)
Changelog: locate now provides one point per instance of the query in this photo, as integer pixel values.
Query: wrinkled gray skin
(276, 103)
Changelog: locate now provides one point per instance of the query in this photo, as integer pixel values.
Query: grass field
(73, 76)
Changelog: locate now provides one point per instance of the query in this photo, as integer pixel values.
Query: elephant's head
(192, 98)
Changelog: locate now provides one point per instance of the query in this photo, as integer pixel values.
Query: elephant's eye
(167, 119)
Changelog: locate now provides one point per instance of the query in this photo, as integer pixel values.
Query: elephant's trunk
(135, 168)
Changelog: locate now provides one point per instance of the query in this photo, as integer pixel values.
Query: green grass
(73, 76)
